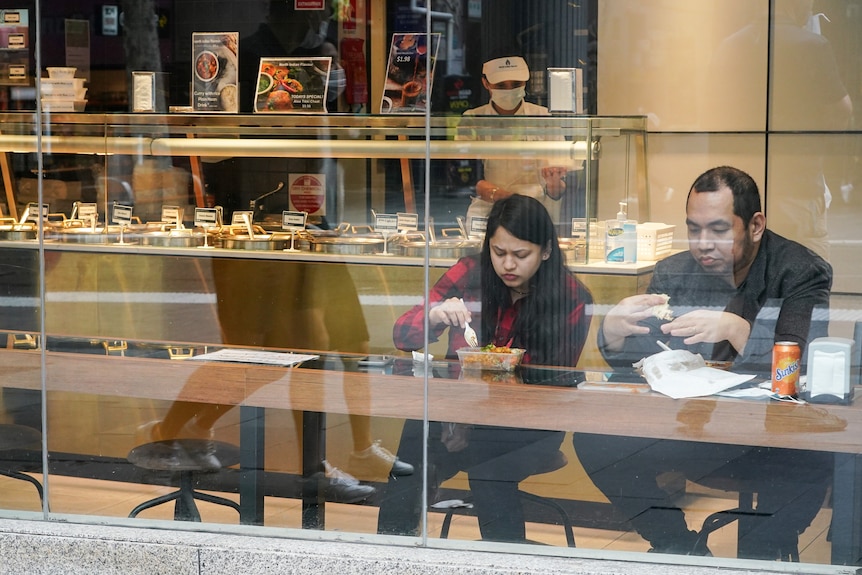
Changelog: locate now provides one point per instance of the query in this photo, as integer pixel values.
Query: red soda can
(785, 367)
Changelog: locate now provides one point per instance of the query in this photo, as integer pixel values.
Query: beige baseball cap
(509, 68)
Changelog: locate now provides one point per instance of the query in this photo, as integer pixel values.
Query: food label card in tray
(291, 85)
(215, 71)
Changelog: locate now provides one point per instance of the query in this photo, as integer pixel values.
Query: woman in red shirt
(518, 293)
(518, 285)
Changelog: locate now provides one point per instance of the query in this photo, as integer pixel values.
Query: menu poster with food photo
(215, 71)
(286, 85)
(411, 64)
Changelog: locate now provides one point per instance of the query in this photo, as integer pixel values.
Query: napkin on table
(679, 374)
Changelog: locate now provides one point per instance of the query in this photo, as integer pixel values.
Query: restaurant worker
(506, 79)
(735, 267)
(516, 293)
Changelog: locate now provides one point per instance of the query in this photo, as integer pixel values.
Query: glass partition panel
(253, 313)
(811, 197)
(810, 76)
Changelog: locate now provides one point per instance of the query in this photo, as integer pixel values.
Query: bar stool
(553, 463)
(744, 513)
(189, 458)
(20, 442)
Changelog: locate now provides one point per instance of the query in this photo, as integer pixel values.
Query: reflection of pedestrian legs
(197, 420)
(340, 485)
(370, 459)
(186, 419)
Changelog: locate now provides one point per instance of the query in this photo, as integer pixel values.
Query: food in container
(86, 235)
(51, 105)
(12, 230)
(344, 240)
(454, 244)
(444, 248)
(490, 358)
(72, 88)
(262, 242)
(344, 245)
(173, 238)
(61, 72)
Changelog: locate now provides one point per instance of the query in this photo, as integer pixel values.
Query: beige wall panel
(675, 160)
(656, 56)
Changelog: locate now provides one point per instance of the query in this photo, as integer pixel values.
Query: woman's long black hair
(541, 325)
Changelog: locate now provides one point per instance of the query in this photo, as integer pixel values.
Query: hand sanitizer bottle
(618, 246)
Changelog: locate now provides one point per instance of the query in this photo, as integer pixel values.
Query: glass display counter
(148, 161)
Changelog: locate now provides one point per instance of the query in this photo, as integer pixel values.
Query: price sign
(579, 228)
(172, 215)
(477, 226)
(121, 214)
(35, 212)
(240, 218)
(407, 222)
(17, 72)
(386, 223)
(86, 211)
(206, 217)
(293, 221)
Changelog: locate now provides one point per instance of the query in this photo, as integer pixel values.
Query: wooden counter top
(720, 420)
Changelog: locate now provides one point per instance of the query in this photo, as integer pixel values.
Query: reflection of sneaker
(377, 461)
(204, 453)
(207, 455)
(176, 455)
(341, 487)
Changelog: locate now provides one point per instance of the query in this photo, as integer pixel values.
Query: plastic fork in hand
(470, 333)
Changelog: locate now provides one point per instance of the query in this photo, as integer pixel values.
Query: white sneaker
(377, 461)
(341, 487)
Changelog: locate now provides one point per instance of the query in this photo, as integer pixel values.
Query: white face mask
(337, 83)
(508, 99)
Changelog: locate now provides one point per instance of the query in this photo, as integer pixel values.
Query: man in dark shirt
(724, 294)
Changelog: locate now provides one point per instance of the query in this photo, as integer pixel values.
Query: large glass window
(241, 244)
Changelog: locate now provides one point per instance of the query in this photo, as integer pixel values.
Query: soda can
(785, 367)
